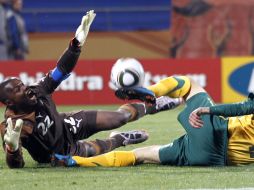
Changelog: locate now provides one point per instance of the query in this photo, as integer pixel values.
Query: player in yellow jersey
(240, 128)
(210, 139)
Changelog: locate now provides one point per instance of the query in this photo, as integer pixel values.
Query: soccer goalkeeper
(31, 119)
(210, 139)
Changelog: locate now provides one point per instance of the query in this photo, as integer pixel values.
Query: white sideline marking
(249, 188)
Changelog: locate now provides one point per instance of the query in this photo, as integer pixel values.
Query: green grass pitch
(163, 128)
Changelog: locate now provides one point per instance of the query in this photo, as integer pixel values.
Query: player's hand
(84, 27)
(11, 137)
(136, 93)
(195, 119)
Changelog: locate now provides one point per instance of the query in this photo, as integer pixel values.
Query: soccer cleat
(136, 93)
(62, 160)
(131, 137)
(164, 103)
(251, 96)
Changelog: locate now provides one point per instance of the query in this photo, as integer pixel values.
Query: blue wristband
(58, 76)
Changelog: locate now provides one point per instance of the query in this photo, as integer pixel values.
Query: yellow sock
(111, 159)
(173, 87)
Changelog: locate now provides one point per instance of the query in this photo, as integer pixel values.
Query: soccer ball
(127, 72)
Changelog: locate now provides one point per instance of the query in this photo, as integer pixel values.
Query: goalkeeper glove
(84, 27)
(11, 137)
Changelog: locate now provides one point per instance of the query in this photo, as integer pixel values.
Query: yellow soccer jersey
(241, 140)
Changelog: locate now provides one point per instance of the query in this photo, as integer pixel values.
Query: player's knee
(116, 119)
(119, 118)
(111, 120)
(195, 89)
(127, 112)
(132, 111)
(86, 149)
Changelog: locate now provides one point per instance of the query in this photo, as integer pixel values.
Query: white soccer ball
(127, 72)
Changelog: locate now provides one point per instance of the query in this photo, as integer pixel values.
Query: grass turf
(163, 128)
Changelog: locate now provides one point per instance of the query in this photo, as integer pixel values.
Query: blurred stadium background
(212, 41)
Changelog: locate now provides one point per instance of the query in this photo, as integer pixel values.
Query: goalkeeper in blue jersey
(216, 135)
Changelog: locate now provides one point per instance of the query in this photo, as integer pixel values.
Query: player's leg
(195, 89)
(85, 148)
(171, 86)
(205, 145)
(148, 154)
(83, 124)
(113, 159)
(174, 87)
(122, 158)
(107, 120)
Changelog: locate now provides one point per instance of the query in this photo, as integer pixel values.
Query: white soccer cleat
(164, 103)
(84, 27)
(131, 137)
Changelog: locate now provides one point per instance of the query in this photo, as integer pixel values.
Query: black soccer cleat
(136, 93)
(131, 137)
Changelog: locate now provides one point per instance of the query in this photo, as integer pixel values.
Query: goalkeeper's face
(18, 95)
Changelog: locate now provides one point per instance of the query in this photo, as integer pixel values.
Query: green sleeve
(235, 109)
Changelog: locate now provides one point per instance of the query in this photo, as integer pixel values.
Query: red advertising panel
(90, 82)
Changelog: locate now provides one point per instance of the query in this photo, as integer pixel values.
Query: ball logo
(242, 79)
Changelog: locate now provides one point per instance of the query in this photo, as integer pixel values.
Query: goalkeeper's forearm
(14, 159)
(67, 62)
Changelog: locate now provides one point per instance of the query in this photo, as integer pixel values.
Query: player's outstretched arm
(68, 60)
(225, 110)
(70, 57)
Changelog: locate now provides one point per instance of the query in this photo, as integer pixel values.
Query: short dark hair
(3, 96)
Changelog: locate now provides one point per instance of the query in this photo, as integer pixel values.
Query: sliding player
(210, 140)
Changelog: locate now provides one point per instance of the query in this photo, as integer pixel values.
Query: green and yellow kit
(223, 140)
